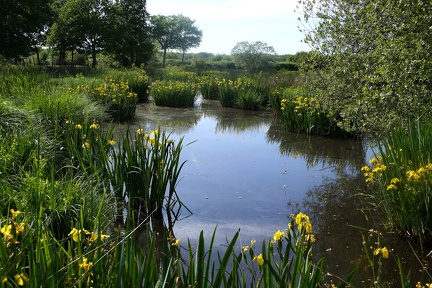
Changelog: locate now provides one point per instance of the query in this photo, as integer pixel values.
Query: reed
(33, 256)
(306, 115)
(208, 86)
(174, 93)
(401, 171)
(144, 172)
(229, 91)
(249, 99)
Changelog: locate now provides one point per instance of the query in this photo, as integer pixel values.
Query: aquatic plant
(174, 93)
(32, 256)
(401, 173)
(306, 115)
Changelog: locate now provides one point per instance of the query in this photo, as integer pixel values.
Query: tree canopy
(251, 56)
(371, 59)
(175, 32)
(22, 22)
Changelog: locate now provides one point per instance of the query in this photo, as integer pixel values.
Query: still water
(243, 171)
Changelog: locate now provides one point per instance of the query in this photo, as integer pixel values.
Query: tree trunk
(164, 57)
(94, 62)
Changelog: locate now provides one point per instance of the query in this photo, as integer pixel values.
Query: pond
(244, 171)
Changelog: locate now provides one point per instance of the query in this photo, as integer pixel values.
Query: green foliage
(175, 32)
(144, 172)
(249, 100)
(208, 86)
(22, 26)
(251, 56)
(174, 93)
(306, 115)
(401, 171)
(369, 60)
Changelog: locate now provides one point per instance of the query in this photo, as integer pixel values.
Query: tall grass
(174, 93)
(152, 162)
(208, 86)
(33, 256)
(401, 172)
(306, 115)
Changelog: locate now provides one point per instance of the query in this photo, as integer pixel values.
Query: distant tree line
(122, 29)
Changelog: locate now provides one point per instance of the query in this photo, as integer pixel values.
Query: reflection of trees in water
(340, 216)
(339, 153)
(238, 121)
(336, 214)
(151, 117)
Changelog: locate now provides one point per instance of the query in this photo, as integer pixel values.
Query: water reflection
(245, 172)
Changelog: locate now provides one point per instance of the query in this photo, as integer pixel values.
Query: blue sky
(226, 22)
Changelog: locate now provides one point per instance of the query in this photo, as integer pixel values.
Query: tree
(371, 59)
(175, 32)
(129, 36)
(251, 56)
(22, 23)
(190, 35)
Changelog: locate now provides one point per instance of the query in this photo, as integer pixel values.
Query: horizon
(226, 22)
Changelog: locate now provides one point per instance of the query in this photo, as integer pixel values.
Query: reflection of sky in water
(239, 173)
(239, 180)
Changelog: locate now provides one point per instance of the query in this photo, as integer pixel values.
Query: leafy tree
(371, 59)
(22, 23)
(66, 33)
(175, 32)
(190, 35)
(251, 56)
(129, 38)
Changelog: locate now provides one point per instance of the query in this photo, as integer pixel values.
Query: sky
(226, 22)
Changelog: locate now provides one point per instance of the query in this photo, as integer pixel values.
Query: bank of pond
(85, 206)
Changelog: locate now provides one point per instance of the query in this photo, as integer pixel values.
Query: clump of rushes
(306, 115)
(402, 173)
(174, 93)
(115, 94)
(182, 76)
(248, 99)
(144, 172)
(208, 87)
(229, 91)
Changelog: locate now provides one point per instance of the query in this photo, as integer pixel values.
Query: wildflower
(175, 243)
(78, 126)
(76, 232)
(391, 186)
(253, 243)
(245, 249)
(14, 213)
(383, 251)
(94, 126)
(311, 238)
(365, 169)
(86, 144)
(412, 175)
(4, 280)
(395, 181)
(86, 266)
(94, 236)
(111, 142)
(20, 279)
(278, 235)
(259, 259)
(303, 220)
(7, 233)
(140, 131)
